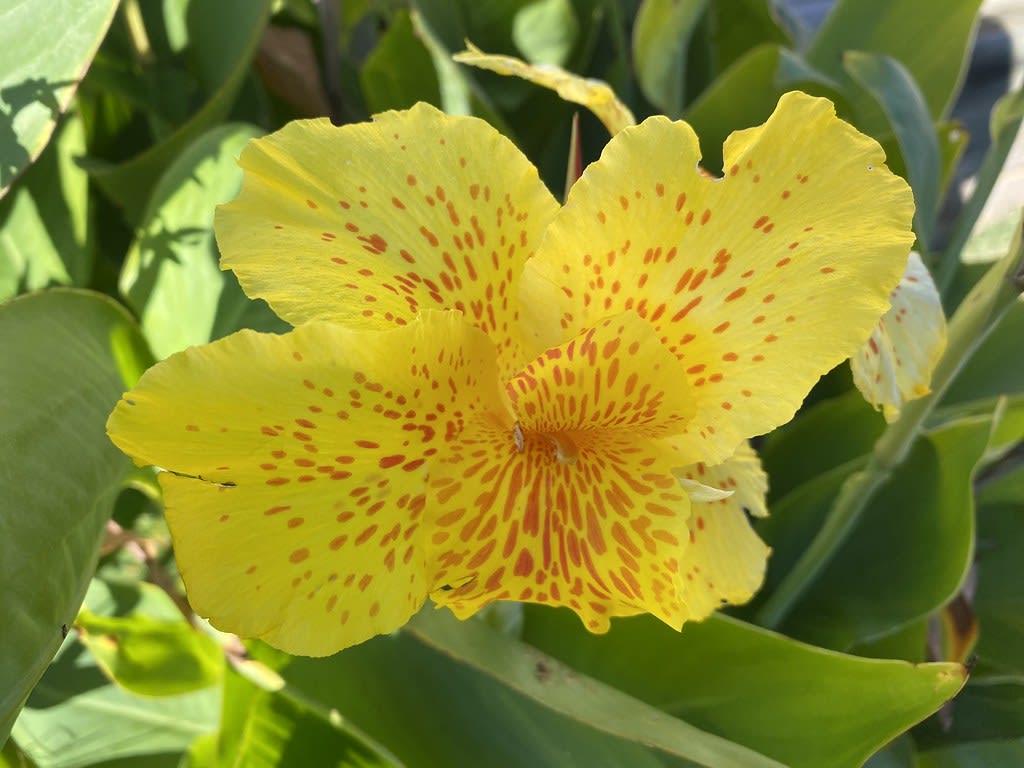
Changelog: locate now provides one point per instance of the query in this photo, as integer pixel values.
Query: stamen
(517, 436)
(565, 448)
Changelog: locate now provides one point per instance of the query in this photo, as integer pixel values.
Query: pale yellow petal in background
(368, 224)
(297, 470)
(759, 282)
(595, 95)
(896, 363)
(725, 561)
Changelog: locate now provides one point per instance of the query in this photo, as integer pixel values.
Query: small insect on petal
(517, 436)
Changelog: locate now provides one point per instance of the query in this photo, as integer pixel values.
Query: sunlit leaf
(41, 63)
(45, 232)
(149, 656)
(171, 276)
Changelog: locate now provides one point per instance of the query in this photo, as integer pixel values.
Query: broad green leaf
(171, 276)
(801, 705)
(997, 368)
(546, 31)
(265, 729)
(807, 448)
(149, 656)
(999, 590)
(762, 76)
(979, 754)
(224, 36)
(910, 550)
(547, 681)
(1004, 124)
(897, 754)
(45, 232)
(76, 718)
(892, 86)
(399, 71)
(985, 710)
(70, 355)
(45, 49)
(660, 38)
(931, 38)
(433, 711)
(740, 26)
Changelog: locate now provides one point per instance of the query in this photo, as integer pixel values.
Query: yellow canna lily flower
(488, 396)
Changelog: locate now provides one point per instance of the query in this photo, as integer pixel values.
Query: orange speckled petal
(725, 561)
(300, 466)
(896, 364)
(366, 224)
(759, 282)
(580, 507)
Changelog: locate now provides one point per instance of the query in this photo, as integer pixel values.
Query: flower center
(566, 450)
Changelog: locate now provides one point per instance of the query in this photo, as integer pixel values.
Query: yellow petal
(759, 282)
(367, 224)
(578, 506)
(897, 362)
(300, 463)
(725, 561)
(595, 95)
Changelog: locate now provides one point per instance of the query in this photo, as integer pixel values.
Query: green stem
(976, 317)
(137, 33)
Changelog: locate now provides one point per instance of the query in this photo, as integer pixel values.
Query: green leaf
(149, 656)
(753, 686)
(985, 710)
(265, 729)
(545, 31)
(893, 87)
(45, 233)
(171, 276)
(660, 38)
(999, 600)
(807, 448)
(426, 707)
(71, 355)
(77, 718)
(999, 587)
(399, 71)
(1004, 125)
(41, 62)
(982, 754)
(997, 368)
(224, 38)
(931, 38)
(740, 26)
(910, 551)
(547, 681)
